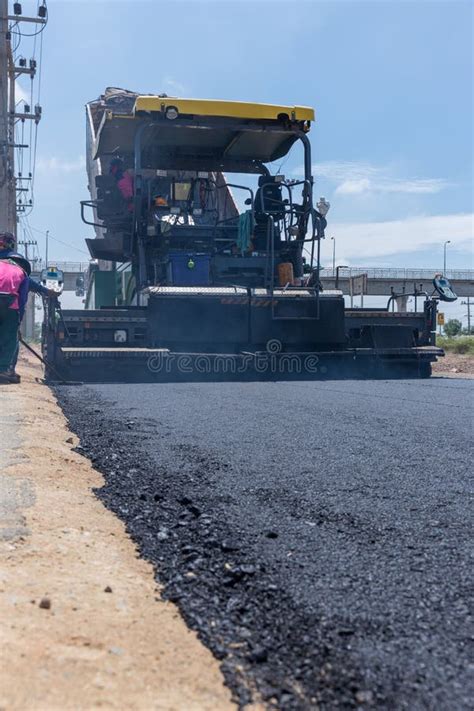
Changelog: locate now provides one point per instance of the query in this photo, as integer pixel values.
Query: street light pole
(448, 241)
(333, 256)
(47, 247)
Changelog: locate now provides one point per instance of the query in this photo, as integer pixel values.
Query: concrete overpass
(380, 282)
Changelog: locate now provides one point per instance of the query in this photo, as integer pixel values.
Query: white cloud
(337, 171)
(57, 166)
(355, 178)
(359, 240)
(354, 187)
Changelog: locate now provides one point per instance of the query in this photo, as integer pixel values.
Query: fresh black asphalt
(317, 535)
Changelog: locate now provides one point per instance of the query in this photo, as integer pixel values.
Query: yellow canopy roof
(230, 109)
(208, 134)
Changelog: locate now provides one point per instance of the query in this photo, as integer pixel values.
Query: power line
(56, 239)
(43, 24)
(468, 303)
(32, 110)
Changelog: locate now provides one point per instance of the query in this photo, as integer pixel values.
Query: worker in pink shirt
(124, 181)
(15, 284)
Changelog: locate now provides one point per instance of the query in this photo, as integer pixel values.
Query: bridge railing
(78, 267)
(372, 272)
(400, 273)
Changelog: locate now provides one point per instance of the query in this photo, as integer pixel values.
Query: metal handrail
(372, 272)
(78, 267)
(397, 273)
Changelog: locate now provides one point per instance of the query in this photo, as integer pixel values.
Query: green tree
(453, 327)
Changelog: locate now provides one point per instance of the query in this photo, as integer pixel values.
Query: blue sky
(391, 83)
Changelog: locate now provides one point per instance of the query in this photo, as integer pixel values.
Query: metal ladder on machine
(270, 273)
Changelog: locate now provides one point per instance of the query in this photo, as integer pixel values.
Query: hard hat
(20, 260)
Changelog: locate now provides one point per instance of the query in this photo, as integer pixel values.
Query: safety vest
(11, 279)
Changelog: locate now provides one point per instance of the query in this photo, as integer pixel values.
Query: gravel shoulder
(455, 365)
(83, 622)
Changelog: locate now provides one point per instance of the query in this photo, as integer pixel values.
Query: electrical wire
(56, 239)
(26, 197)
(40, 68)
(38, 101)
(43, 26)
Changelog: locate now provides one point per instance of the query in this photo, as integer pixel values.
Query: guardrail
(63, 266)
(372, 272)
(399, 273)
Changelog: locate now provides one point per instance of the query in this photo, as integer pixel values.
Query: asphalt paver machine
(206, 260)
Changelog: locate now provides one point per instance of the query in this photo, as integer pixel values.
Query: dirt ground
(83, 625)
(455, 364)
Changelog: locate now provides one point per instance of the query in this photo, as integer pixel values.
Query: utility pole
(28, 323)
(8, 115)
(7, 171)
(468, 303)
(28, 243)
(333, 239)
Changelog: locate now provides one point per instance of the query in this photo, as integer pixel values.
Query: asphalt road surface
(317, 535)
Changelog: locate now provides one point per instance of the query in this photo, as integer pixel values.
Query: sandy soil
(107, 640)
(455, 364)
